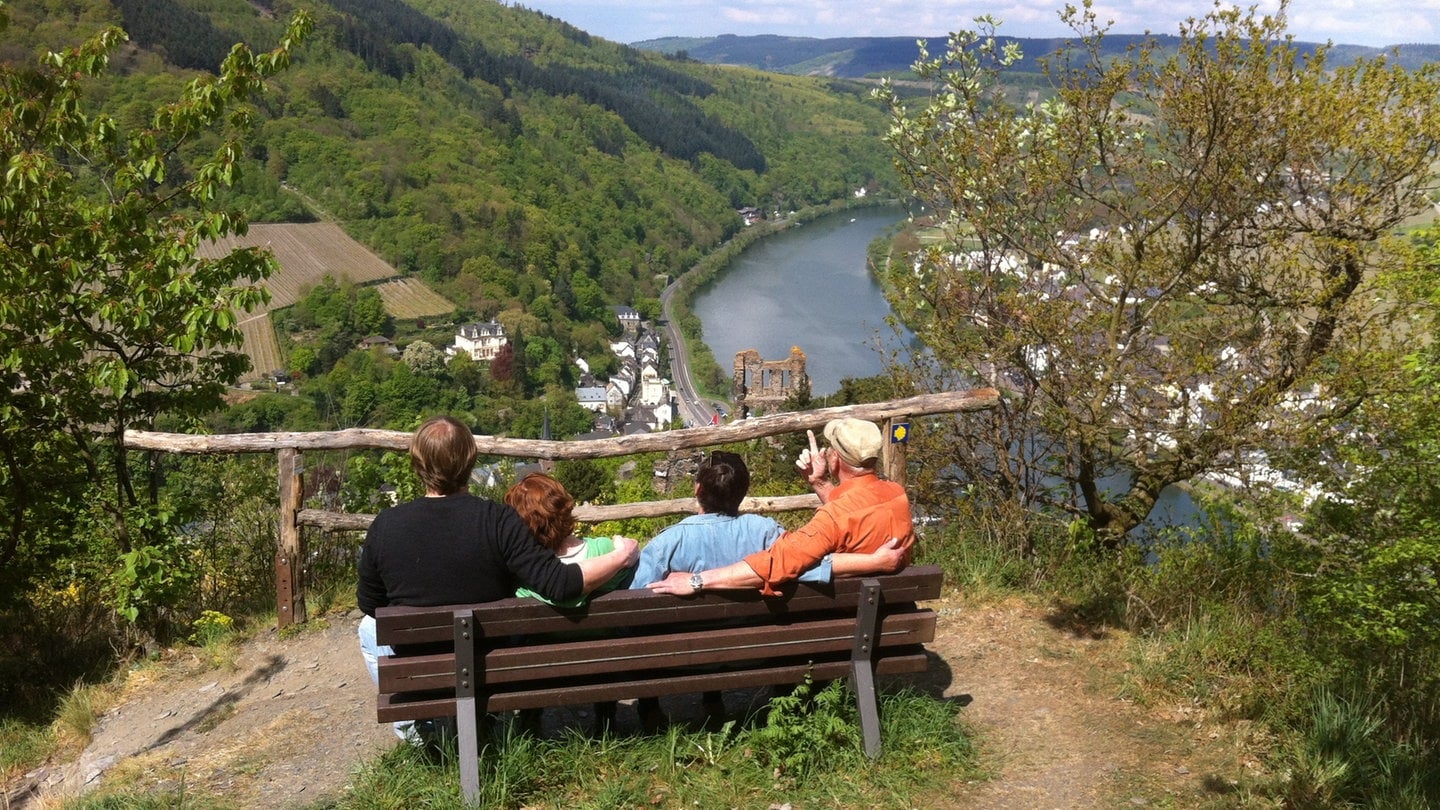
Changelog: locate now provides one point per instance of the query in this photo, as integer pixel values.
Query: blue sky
(1349, 22)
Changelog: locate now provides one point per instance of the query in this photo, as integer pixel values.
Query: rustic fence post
(894, 455)
(289, 557)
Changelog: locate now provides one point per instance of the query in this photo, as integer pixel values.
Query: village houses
(637, 397)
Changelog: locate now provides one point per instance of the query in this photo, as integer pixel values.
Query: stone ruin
(765, 384)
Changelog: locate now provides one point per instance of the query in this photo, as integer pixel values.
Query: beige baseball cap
(856, 440)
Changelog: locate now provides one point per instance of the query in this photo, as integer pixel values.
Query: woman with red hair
(546, 508)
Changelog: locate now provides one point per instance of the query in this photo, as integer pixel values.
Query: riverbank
(711, 379)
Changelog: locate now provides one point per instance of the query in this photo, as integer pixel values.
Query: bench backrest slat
(393, 708)
(402, 625)
(577, 659)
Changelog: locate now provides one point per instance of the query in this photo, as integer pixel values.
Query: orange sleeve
(794, 552)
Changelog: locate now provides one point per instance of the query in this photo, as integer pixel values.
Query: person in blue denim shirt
(720, 535)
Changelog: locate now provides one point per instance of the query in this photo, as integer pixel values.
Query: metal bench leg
(862, 666)
(466, 721)
(469, 750)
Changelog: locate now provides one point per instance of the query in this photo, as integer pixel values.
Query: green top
(594, 547)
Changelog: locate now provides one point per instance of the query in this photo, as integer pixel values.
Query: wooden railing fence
(289, 449)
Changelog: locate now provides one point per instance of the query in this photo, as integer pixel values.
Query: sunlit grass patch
(807, 753)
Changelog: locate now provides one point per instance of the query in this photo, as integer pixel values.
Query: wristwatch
(697, 582)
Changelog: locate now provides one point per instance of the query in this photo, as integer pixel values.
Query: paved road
(693, 410)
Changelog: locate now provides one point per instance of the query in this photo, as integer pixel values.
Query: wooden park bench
(463, 660)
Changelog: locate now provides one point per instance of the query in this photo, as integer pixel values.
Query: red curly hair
(545, 507)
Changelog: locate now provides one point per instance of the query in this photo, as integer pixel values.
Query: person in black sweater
(451, 547)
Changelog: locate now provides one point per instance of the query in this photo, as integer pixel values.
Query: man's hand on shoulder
(894, 555)
(629, 547)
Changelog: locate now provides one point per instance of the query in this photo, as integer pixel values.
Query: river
(806, 287)
(810, 287)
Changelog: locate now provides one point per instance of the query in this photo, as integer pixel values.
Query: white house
(629, 318)
(654, 389)
(482, 341)
(623, 349)
(592, 398)
(616, 395)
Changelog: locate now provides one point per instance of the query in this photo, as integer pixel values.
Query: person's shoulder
(890, 486)
(400, 510)
(599, 545)
(672, 532)
(866, 489)
(684, 524)
(751, 519)
(469, 501)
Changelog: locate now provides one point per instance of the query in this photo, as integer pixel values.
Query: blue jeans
(417, 732)
(371, 651)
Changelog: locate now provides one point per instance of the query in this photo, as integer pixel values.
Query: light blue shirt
(705, 541)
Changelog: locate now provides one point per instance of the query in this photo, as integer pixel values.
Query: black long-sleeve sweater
(455, 550)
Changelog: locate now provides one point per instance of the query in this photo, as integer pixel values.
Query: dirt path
(289, 724)
(286, 727)
(1045, 702)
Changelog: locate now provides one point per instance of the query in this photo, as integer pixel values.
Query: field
(409, 298)
(261, 345)
(307, 253)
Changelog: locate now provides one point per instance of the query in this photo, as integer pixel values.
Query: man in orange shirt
(859, 513)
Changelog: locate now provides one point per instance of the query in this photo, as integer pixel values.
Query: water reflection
(807, 287)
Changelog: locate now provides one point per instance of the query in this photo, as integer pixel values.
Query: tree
(586, 480)
(368, 315)
(1375, 537)
(424, 358)
(1172, 266)
(108, 321)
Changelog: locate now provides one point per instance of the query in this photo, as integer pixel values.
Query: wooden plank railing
(289, 449)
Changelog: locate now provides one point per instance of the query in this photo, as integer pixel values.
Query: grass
(22, 745)
(807, 754)
(79, 709)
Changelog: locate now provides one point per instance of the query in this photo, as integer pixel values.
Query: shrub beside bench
(465, 660)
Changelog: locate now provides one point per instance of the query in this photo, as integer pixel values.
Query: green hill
(857, 57)
(507, 158)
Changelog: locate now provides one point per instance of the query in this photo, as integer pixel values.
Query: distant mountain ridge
(859, 57)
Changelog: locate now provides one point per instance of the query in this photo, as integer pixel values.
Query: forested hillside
(856, 57)
(523, 168)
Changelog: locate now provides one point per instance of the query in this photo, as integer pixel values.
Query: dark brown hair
(442, 454)
(721, 483)
(545, 507)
